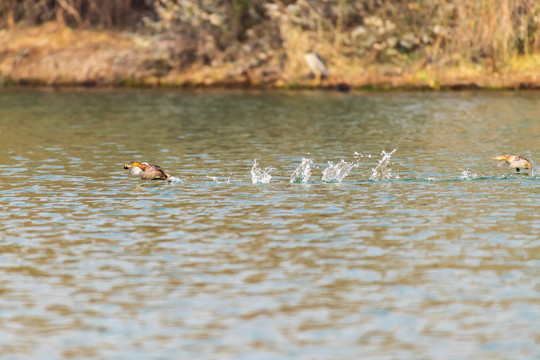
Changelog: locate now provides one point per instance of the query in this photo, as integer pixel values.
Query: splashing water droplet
(336, 173)
(225, 180)
(259, 175)
(465, 175)
(302, 173)
(358, 155)
(174, 179)
(381, 171)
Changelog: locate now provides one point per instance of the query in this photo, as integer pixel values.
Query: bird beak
(500, 157)
(127, 166)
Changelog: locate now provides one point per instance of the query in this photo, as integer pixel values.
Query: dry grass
(55, 55)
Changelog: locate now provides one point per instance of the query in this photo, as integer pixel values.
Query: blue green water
(438, 257)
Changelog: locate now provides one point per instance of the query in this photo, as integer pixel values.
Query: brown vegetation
(379, 43)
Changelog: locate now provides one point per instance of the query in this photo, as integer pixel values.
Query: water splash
(382, 171)
(336, 173)
(259, 175)
(302, 173)
(467, 176)
(358, 155)
(216, 179)
(174, 179)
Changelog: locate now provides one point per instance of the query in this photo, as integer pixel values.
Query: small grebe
(147, 171)
(517, 162)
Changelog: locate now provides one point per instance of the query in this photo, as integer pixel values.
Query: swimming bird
(517, 162)
(147, 171)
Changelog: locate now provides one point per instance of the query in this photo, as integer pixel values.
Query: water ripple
(424, 252)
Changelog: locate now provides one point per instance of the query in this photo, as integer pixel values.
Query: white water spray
(382, 171)
(358, 155)
(467, 176)
(259, 175)
(336, 173)
(302, 173)
(222, 180)
(174, 179)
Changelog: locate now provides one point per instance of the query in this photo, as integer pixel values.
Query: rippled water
(436, 257)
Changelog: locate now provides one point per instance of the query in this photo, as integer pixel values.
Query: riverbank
(54, 55)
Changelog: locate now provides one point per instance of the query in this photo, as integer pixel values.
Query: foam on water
(336, 173)
(467, 175)
(302, 173)
(259, 175)
(226, 180)
(174, 179)
(382, 170)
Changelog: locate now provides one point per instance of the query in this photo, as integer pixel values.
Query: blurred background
(416, 43)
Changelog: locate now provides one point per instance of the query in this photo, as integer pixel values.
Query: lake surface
(431, 252)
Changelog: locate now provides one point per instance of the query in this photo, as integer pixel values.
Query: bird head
(137, 164)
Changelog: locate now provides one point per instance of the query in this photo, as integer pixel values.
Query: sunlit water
(371, 226)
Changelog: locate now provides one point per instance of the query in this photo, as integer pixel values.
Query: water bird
(317, 65)
(147, 171)
(517, 162)
(343, 87)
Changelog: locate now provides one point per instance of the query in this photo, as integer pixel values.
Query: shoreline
(515, 85)
(54, 56)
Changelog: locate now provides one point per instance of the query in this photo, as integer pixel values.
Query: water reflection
(438, 263)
